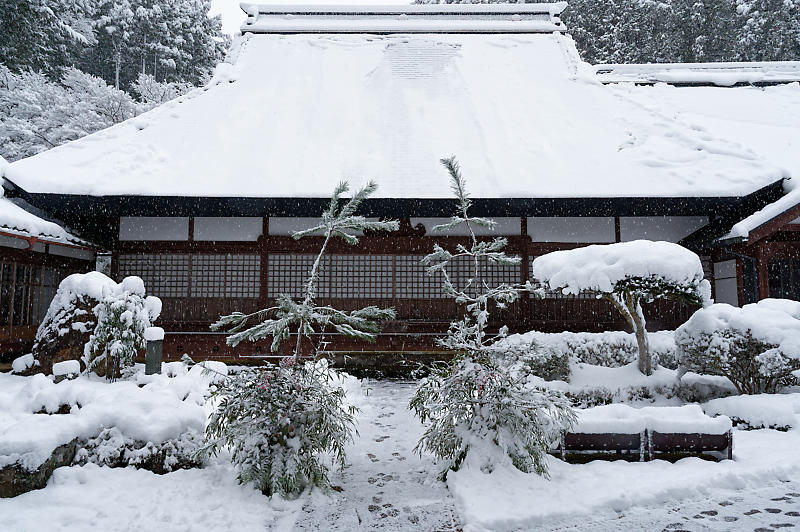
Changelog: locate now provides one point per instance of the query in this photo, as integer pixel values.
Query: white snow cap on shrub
(763, 319)
(600, 267)
(98, 286)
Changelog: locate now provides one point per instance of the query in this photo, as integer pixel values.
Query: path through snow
(772, 507)
(385, 486)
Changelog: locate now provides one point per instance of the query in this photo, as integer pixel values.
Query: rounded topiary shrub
(757, 347)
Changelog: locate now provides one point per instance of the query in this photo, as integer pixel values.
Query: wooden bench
(640, 435)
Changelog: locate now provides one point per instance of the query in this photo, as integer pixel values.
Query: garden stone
(16, 479)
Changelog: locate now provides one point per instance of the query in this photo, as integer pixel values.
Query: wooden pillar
(617, 230)
(762, 262)
(263, 252)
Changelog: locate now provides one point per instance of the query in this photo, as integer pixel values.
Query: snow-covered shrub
(475, 401)
(478, 406)
(611, 349)
(537, 359)
(70, 319)
(122, 317)
(757, 347)
(112, 448)
(627, 274)
(753, 412)
(280, 419)
(277, 421)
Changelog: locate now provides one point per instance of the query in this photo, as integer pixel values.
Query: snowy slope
(758, 120)
(294, 114)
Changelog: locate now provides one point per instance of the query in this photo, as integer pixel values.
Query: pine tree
(43, 35)
(478, 408)
(279, 420)
(173, 41)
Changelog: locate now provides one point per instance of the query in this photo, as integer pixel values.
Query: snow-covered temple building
(199, 196)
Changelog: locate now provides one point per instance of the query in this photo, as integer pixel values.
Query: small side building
(35, 255)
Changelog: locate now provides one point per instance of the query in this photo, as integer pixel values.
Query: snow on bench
(647, 430)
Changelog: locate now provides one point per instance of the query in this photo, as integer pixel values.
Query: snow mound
(599, 267)
(624, 419)
(18, 365)
(777, 411)
(162, 409)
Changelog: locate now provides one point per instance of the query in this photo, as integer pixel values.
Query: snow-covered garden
(521, 431)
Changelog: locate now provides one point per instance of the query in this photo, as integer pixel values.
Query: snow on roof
(14, 220)
(762, 120)
(291, 115)
(720, 74)
(427, 18)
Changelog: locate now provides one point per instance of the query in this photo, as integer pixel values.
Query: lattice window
(412, 280)
(26, 291)
(361, 276)
(287, 274)
(230, 275)
(462, 270)
(164, 275)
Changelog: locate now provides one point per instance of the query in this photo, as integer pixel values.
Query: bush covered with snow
(478, 406)
(627, 274)
(756, 346)
(278, 421)
(123, 316)
(611, 349)
(112, 448)
(157, 422)
(476, 401)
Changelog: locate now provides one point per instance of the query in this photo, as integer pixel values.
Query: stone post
(155, 340)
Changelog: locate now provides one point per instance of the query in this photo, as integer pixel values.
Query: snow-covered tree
(152, 93)
(37, 114)
(757, 346)
(122, 316)
(650, 31)
(174, 41)
(279, 420)
(627, 274)
(44, 35)
(305, 317)
(476, 405)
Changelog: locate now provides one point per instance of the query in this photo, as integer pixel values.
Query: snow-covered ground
(386, 486)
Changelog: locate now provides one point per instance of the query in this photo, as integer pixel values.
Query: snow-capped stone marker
(68, 369)
(155, 341)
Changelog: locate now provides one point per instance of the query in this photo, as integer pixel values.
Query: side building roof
(19, 223)
(294, 111)
(763, 120)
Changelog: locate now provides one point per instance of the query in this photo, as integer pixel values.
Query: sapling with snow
(279, 420)
(476, 405)
(122, 317)
(628, 274)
